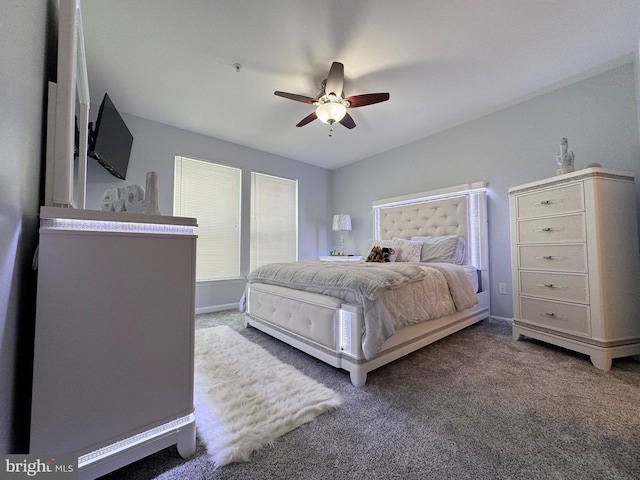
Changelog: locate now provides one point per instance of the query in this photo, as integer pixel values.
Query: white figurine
(134, 198)
(565, 159)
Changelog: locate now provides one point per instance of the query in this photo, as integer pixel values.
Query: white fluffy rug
(245, 398)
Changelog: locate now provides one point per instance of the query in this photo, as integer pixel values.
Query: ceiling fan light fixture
(331, 112)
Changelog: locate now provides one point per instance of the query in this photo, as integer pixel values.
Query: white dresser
(575, 266)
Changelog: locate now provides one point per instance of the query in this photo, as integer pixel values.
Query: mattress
(472, 275)
(392, 295)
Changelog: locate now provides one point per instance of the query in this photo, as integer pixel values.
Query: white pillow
(408, 251)
(443, 249)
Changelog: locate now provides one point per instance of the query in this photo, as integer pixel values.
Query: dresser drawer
(559, 316)
(557, 258)
(555, 286)
(567, 228)
(553, 201)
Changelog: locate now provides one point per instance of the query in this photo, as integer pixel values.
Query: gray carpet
(475, 405)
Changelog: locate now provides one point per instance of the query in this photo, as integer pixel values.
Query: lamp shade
(331, 112)
(341, 222)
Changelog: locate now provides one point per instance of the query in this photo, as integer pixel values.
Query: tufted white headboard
(459, 210)
(438, 217)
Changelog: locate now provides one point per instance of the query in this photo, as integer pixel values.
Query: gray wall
(25, 27)
(637, 63)
(513, 146)
(154, 148)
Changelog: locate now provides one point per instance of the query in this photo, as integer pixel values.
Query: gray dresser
(114, 339)
(575, 266)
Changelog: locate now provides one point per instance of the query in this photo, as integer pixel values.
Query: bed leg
(358, 379)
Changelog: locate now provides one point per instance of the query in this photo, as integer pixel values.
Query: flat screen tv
(110, 141)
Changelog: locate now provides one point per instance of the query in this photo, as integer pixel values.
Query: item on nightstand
(565, 159)
(341, 223)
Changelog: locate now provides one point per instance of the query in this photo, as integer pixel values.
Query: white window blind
(274, 220)
(211, 193)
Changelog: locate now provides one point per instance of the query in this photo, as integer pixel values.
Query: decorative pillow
(379, 254)
(443, 249)
(408, 251)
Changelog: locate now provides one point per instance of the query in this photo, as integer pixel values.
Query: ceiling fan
(330, 101)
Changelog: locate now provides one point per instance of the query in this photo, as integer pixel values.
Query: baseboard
(505, 319)
(217, 308)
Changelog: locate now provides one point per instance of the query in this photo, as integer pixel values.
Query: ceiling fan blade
(367, 99)
(335, 79)
(296, 97)
(308, 119)
(347, 121)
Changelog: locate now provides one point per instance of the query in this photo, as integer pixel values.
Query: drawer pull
(548, 285)
(550, 314)
(545, 202)
(546, 257)
(546, 229)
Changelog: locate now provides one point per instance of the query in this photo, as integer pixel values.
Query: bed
(339, 328)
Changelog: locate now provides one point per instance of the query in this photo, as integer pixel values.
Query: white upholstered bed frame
(330, 330)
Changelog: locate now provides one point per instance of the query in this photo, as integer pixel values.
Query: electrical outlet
(502, 288)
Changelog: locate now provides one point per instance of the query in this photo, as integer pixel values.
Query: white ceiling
(443, 62)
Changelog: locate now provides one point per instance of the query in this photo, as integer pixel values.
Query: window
(274, 220)
(211, 193)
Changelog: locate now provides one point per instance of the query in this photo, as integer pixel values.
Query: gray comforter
(365, 279)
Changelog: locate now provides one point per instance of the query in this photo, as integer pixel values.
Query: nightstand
(341, 258)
